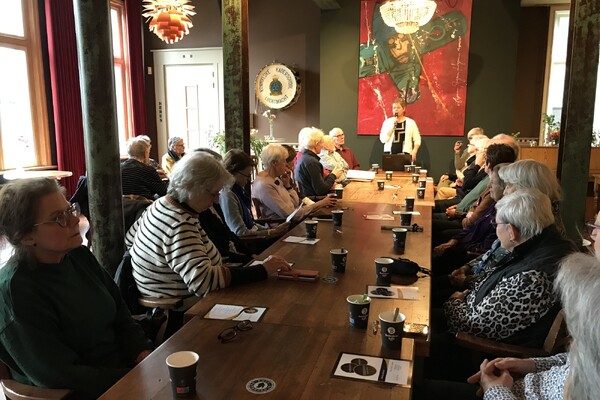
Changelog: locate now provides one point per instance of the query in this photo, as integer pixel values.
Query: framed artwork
(428, 69)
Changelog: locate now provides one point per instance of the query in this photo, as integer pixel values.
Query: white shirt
(411, 135)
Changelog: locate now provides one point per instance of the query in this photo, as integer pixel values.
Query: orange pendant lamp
(169, 19)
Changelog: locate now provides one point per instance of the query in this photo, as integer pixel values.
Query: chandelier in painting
(169, 19)
(406, 16)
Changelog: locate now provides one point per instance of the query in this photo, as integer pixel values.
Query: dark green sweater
(65, 325)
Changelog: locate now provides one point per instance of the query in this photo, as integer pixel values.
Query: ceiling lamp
(169, 19)
(406, 16)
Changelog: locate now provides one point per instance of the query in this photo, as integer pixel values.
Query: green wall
(491, 78)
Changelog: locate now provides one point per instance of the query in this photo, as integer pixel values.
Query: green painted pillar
(95, 56)
(578, 112)
(235, 71)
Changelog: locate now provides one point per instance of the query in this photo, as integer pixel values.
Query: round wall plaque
(277, 86)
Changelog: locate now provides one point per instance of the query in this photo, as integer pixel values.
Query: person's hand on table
(279, 229)
(275, 264)
(337, 172)
(443, 178)
(142, 355)
(327, 201)
(490, 375)
(439, 250)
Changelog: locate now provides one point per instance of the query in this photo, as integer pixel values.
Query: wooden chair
(14, 390)
(556, 341)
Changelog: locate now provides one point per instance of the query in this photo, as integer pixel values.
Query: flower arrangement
(552, 128)
(270, 116)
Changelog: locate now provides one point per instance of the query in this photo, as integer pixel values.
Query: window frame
(31, 44)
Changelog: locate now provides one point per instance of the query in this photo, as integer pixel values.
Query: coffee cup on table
(399, 235)
(405, 218)
(383, 271)
(358, 309)
(423, 172)
(375, 167)
(380, 184)
(420, 193)
(336, 217)
(311, 228)
(389, 175)
(409, 203)
(407, 168)
(182, 371)
(415, 178)
(422, 183)
(392, 328)
(339, 192)
(338, 259)
(417, 170)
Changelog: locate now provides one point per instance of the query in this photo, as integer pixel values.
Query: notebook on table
(395, 162)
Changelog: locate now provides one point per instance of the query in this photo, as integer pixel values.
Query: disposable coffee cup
(389, 175)
(383, 271)
(358, 308)
(417, 170)
(391, 329)
(409, 203)
(339, 193)
(407, 168)
(375, 167)
(422, 183)
(420, 193)
(182, 371)
(405, 218)
(415, 178)
(336, 216)
(399, 235)
(411, 168)
(338, 259)
(311, 229)
(380, 184)
(423, 172)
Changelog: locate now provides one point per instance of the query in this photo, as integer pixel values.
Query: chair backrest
(256, 206)
(14, 390)
(558, 335)
(126, 283)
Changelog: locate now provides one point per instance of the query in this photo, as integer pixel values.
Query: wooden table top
(300, 360)
(25, 174)
(402, 187)
(323, 305)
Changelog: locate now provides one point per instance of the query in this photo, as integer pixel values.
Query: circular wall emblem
(260, 385)
(277, 86)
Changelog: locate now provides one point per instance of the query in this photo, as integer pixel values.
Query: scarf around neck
(246, 204)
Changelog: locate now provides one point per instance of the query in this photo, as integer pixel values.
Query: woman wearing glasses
(171, 254)
(236, 204)
(63, 323)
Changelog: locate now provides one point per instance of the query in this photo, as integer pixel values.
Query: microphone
(396, 115)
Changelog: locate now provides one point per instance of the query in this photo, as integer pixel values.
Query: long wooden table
(305, 327)
(396, 190)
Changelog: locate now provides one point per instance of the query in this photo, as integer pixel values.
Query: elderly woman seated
(236, 204)
(63, 323)
(511, 300)
(137, 177)
(176, 150)
(171, 254)
(273, 189)
(331, 159)
(309, 172)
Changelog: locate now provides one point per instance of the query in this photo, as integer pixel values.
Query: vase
(271, 137)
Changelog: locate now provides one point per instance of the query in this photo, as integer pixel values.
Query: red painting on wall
(427, 68)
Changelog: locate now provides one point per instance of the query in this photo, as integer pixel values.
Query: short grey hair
(273, 152)
(477, 131)
(481, 143)
(336, 132)
(509, 140)
(136, 147)
(578, 283)
(308, 138)
(328, 142)
(196, 174)
(174, 140)
(532, 174)
(528, 210)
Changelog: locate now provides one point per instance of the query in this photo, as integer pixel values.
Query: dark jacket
(309, 175)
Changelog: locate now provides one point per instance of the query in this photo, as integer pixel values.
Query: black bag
(405, 267)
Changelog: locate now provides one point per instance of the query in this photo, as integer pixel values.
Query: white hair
(328, 143)
(509, 140)
(477, 131)
(532, 174)
(578, 283)
(137, 146)
(174, 140)
(480, 143)
(196, 174)
(273, 152)
(336, 132)
(309, 138)
(528, 210)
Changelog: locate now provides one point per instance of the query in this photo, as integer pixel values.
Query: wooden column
(95, 56)
(235, 71)
(578, 111)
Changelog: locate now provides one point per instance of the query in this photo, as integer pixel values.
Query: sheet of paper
(360, 175)
(392, 187)
(408, 292)
(381, 217)
(383, 292)
(374, 369)
(412, 212)
(235, 313)
(289, 218)
(300, 240)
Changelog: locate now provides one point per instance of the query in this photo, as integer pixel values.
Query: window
(556, 68)
(121, 71)
(23, 115)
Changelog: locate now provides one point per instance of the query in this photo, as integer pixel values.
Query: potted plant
(552, 129)
(256, 144)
